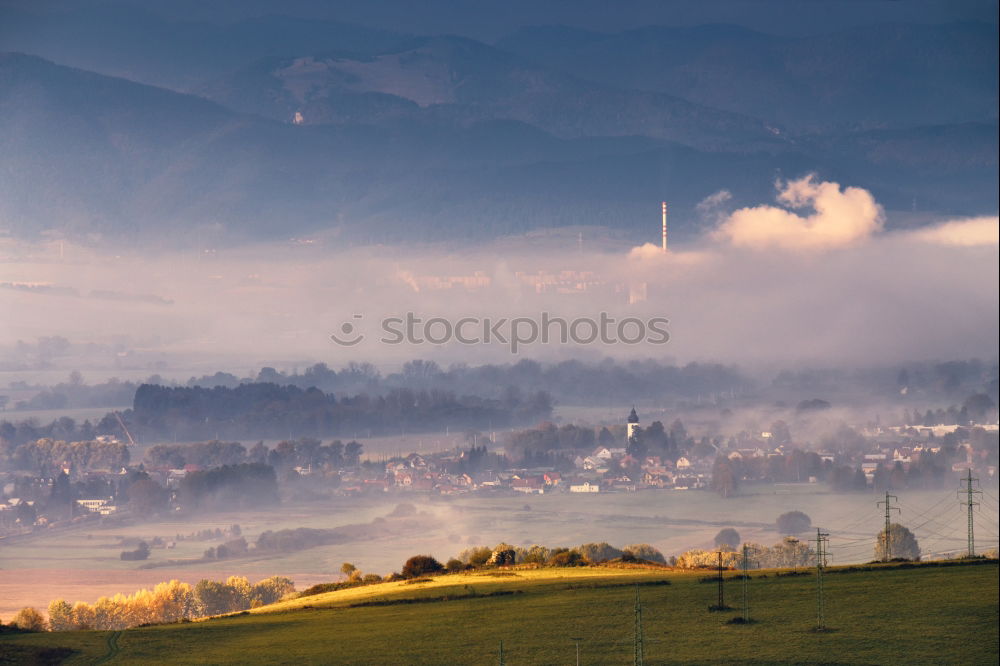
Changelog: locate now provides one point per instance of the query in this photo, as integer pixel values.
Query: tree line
(654, 440)
(266, 410)
(286, 454)
(798, 466)
(586, 383)
(273, 411)
(167, 602)
(45, 455)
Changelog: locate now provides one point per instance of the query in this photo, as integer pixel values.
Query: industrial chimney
(664, 248)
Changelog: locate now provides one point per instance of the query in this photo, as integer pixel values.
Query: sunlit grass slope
(928, 615)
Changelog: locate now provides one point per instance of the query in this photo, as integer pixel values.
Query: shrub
(321, 588)
(29, 619)
(477, 556)
(83, 615)
(727, 536)
(454, 565)
(599, 552)
(537, 555)
(708, 559)
(419, 565)
(61, 616)
(503, 555)
(564, 557)
(272, 589)
(789, 552)
(902, 544)
(643, 551)
(141, 552)
(793, 522)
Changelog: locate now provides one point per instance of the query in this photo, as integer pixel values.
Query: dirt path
(113, 648)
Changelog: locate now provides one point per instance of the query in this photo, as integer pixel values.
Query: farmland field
(872, 617)
(673, 521)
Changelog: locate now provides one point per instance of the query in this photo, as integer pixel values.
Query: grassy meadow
(922, 615)
(83, 563)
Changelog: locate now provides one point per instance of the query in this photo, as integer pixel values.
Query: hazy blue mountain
(465, 80)
(848, 69)
(138, 42)
(89, 153)
(894, 75)
(936, 167)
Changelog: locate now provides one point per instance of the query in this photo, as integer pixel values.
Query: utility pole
(970, 502)
(637, 647)
(746, 586)
(721, 602)
(887, 541)
(821, 539)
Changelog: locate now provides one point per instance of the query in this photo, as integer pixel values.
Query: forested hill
(265, 410)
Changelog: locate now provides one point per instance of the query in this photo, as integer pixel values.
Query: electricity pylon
(887, 551)
(637, 647)
(821, 540)
(970, 502)
(746, 585)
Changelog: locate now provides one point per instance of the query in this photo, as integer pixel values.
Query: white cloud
(839, 218)
(972, 232)
(711, 204)
(646, 251)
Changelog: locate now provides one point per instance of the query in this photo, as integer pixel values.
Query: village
(107, 485)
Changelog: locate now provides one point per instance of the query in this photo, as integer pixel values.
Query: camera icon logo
(349, 334)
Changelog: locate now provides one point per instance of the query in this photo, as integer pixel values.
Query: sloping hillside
(924, 615)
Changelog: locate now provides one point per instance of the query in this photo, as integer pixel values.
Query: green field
(83, 563)
(922, 615)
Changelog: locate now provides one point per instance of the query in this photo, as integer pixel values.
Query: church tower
(631, 425)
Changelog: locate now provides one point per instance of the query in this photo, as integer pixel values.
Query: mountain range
(277, 126)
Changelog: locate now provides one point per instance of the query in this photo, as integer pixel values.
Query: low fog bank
(811, 280)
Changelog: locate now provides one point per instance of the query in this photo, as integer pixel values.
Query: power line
(925, 514)
(986, 525)
(947, 537)
(944, 503)
(859, 521)
(847, 528)
(847, 542)
(935, 522)
(990, 496)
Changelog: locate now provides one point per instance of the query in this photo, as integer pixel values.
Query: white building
(101, 506)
